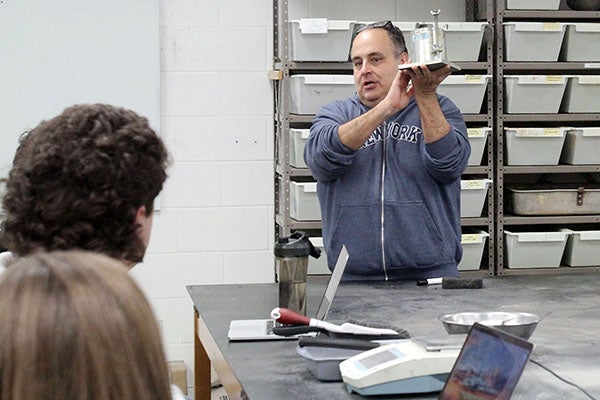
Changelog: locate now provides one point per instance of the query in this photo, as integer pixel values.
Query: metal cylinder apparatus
(429, 41)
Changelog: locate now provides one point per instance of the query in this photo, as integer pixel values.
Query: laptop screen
(488, 367)
(334, 281)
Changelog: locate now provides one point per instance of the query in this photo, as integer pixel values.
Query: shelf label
(552, 132)
(313, 25)
(475, 132)
(473, 78)
(538, 132)
(475, 184)
(591, 65)
(470, 238)
(552, 26)
(540, 79)
(555, 79)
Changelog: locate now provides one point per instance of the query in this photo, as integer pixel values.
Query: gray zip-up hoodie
(395, 202)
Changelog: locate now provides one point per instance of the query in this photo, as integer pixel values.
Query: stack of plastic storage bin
(319, 39)
(466, 91)
(534, 249)
(473, 245)
(548, 42)
(533, 42)
(582, 146)
(316, 40)
(534, 146)
(473, 193)
(532, 4)
(478, 138)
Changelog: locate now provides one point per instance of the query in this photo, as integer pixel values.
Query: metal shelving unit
(498, 216)
(486, 118)
(284, 173)
(514, 173)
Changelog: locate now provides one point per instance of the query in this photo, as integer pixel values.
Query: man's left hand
(425, 81)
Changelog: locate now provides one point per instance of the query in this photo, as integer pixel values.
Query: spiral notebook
(262, 329)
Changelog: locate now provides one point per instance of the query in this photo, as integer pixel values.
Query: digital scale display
(395, 368)
(380, 358)
(488, 368)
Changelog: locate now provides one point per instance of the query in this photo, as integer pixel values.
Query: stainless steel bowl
(518, 324)
(584, 5)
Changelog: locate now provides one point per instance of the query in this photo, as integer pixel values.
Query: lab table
(565, 363)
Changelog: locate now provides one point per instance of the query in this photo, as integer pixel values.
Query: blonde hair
(75, 326)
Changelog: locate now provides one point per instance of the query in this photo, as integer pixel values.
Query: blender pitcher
(291, 262)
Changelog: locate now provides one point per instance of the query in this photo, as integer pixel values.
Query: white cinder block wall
(215, 224)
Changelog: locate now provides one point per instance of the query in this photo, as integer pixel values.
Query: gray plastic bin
(308, 93)
(534, 249)
(582, 146)
(319, 39)
(583, 248)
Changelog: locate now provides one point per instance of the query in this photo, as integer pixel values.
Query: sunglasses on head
(389, 27)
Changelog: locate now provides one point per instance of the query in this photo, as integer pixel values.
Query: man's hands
(417, 81)
(424, 85)
(400, 92)
(425, 81)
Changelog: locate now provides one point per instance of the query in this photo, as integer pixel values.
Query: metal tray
(519, 324)
(324, 362)
(556, 201)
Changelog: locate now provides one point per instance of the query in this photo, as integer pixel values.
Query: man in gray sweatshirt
(388, 163)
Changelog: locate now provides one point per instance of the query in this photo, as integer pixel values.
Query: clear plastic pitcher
(291, 262)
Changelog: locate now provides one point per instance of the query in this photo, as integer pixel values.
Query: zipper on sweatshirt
(384, 151)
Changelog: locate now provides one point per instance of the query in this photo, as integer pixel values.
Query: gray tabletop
(565, 363)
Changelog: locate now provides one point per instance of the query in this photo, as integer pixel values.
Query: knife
(297, 330)
(289, 317)
(289, 330)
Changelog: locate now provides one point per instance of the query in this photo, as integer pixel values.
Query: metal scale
(398, 368)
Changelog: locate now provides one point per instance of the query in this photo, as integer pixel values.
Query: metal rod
(436, 46)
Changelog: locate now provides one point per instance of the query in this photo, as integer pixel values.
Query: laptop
(262, 329)
(489, 365)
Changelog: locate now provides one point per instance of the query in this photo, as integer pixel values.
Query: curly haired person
(85, 179)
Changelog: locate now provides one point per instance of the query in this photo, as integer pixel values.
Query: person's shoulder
(445, 101)
(350, 106)
(340, 103)
(448, 106)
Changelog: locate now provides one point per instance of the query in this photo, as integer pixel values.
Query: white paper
(313, 25)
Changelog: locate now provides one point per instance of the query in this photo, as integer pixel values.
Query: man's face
(144, 226)
(375, 65)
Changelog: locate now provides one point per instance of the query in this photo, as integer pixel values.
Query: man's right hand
(399, 94)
